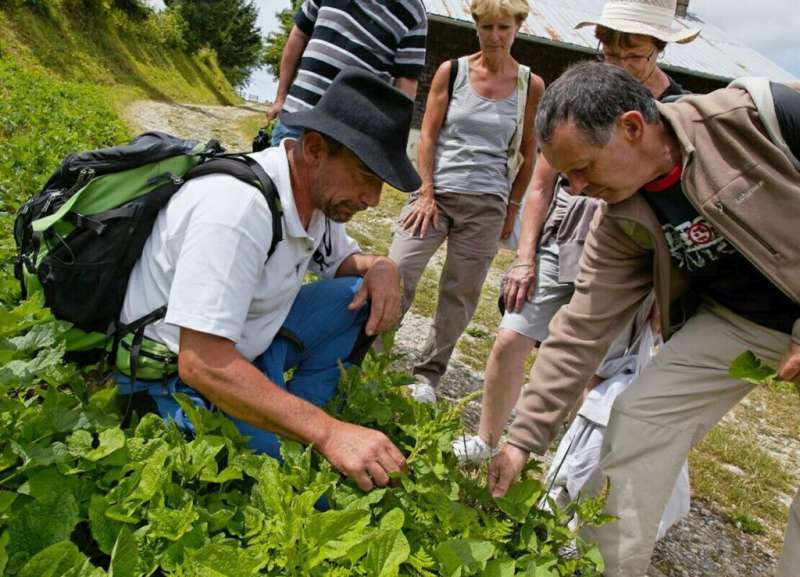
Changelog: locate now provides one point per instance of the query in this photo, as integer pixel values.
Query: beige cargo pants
(471, 225)
(684, 392)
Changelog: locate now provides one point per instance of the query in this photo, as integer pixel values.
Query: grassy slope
(112, 52)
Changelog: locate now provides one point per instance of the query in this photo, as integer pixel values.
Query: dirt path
(195, 121)
(702, 545)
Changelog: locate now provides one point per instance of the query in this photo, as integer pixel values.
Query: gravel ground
(702, 545)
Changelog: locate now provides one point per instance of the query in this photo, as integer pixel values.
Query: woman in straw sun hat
(632, 34)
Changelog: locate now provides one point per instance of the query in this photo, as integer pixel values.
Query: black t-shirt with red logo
(717, 269)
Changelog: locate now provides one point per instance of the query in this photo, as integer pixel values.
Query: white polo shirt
(206, 259)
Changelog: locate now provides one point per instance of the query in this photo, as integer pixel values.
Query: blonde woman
(471, 186)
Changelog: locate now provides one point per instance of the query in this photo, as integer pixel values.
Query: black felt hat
(369, 117)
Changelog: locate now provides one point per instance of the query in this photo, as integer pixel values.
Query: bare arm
(540, 195)
(528, 150)
(290, 60)
(424, 212)
(520, 280)
(407, 85)
(212, 366)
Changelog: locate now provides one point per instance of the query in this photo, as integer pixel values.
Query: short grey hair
(593, 95)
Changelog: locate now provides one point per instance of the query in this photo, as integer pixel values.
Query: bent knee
(510, 342)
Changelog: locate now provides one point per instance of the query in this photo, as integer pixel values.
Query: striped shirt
(385, 37)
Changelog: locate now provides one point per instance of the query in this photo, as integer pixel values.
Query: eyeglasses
(616, 58)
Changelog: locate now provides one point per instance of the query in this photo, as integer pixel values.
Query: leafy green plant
(80, 495)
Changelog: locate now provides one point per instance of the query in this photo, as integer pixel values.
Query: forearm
(407, 85)
(537, 205)
(522, 180)
(240, 390)
(359, 264)
(425, 153)
(290, 61)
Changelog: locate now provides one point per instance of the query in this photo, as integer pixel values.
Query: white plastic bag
(578, 453)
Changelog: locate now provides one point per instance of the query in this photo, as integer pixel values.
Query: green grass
(744, 481)
(251, 123)
(42, 119)
(139, 59)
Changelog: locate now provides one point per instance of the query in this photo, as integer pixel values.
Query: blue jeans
(281, 131)
(328, 331)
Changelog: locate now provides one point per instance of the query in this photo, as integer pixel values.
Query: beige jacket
(741, 181)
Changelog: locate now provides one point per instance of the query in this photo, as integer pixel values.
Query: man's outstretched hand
(505, 468)
(365, 455)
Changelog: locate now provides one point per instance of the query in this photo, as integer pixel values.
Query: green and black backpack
(79, 238)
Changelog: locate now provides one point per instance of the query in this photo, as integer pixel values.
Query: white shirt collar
(275, 162)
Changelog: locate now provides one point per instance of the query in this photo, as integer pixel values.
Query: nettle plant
(82, 496)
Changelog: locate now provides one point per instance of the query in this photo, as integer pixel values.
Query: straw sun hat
(651, 17)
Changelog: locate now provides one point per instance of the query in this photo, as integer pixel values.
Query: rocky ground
(702, 545)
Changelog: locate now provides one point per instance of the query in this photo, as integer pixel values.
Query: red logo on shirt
(699, 233)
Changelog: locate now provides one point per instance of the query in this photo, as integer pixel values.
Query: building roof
(713, 55)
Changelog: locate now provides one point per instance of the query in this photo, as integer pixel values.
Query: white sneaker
(422, 393)
(472, 449)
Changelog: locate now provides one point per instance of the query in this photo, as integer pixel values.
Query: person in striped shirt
(386, 38)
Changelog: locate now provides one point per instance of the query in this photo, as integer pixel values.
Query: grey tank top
(472, 150)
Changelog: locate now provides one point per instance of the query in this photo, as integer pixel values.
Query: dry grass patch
(750, 463)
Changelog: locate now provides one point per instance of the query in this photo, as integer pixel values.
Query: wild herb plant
(80, 495)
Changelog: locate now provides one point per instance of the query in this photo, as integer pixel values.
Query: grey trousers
(673, 403)
(471, 225)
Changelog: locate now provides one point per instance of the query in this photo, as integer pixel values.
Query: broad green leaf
(4, 537)
(500, 568)
(153, 475)
(520, 498)
(333, 534)
(152, 426)
(23, 372)
(80, 443)
(386, 553)
(61, 559)
(751, 369)
(205, 422)
(104, 530)
(7, 498)
(39, 523)
(594, 555)
(171, 524)
(175, 554)
(394, 519)
(459, 557)
(8, 458)
(218, 560)
(110, 440)
(42, 336)
(124, 556)
(329, 525)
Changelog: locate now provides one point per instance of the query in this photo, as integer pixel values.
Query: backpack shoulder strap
(452, 80)
(246, 169)
(761, 94)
